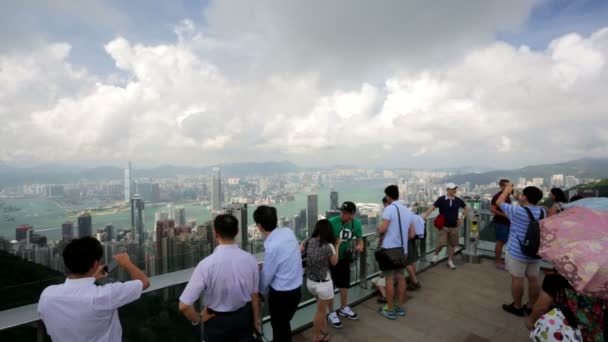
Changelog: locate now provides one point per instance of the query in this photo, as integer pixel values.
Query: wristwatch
(196, 323)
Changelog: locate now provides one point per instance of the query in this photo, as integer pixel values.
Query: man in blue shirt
(282, 273)
(449, 206)
(520, 265)
(395, 233)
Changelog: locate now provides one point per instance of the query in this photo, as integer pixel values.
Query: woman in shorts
(321, 253)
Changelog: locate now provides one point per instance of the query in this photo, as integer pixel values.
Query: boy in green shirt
(347, 228)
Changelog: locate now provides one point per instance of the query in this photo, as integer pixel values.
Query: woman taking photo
(321, 253)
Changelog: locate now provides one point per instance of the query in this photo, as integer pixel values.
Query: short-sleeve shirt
(317, 255)
(393, 237)
(228, 277)
(449, 208)
(79, 310)
(519, 228)
(497, 218)
(347, 232)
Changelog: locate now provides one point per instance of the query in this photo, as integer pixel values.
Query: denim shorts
(502, 231)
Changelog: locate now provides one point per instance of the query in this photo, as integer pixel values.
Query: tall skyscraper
(67, 231)
(333, 200)
(137, 219)
(216, 189)
(239, 210)
(21, 232)
(171, 211)
(129, 186)
(85, 225)
(180, 213)
(108, 232)
(312, 212)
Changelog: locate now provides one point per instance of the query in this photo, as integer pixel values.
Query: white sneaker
(435, 258)
(451, 265)
(348, 313)
(334, 320)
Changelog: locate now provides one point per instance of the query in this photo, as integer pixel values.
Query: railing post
(363, 264)
(40, 331)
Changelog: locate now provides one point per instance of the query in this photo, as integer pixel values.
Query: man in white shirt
(79, 310)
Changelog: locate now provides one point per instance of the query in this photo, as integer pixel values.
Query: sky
(389, 83)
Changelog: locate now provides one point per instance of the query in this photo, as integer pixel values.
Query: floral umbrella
(576, 242)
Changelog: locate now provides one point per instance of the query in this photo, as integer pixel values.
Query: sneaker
(451, 265)
(399, 310)
(334, 320)
(348, 313)
(435, 258)
(414, 287)
(388, 314)
(510, 308)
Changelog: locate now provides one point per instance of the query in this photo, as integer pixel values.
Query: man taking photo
(79, 310)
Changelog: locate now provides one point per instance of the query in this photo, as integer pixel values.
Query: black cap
(349, 207)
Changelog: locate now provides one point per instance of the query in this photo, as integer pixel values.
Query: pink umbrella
(576, 242)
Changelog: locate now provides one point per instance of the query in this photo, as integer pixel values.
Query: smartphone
(110, 267)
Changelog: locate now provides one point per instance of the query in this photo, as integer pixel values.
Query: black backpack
(531, 243)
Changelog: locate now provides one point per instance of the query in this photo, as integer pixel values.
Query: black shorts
(412, 252)
(340, 274)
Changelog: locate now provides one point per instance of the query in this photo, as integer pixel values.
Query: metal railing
(167, 288)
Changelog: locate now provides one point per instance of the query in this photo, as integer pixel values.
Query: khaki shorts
(522, 269)
(448, 234)
(394, 273)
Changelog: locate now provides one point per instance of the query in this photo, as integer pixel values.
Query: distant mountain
(581, 168)
(58, 174)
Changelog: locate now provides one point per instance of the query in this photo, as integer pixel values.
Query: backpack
(531, 243)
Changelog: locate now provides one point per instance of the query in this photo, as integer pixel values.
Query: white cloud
(212, 95)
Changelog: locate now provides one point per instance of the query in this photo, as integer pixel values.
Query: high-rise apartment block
(85, 225)
(137, 219)
(67, 231)
(334, 203)
(216, 189)
(312, 212)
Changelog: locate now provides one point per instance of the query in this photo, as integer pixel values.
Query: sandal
(325, 337)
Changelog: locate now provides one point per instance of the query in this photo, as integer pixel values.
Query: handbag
(439, 221)
(305, 253)
(392, 258)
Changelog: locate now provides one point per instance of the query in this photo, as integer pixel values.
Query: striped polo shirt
(519, 228)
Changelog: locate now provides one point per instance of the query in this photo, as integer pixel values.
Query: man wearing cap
(347, 228)
(449, 206)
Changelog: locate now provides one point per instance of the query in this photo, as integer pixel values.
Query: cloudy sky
(380, 83)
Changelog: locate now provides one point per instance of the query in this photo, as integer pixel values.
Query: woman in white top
(320, 254)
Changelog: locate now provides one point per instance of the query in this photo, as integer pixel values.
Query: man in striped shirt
(520, 265)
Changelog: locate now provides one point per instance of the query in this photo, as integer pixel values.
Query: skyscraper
(312, 212)
(67, 230)
(180, 213)
(108, 232)
(85, 225)
(216, 189)
(137, 219)
(239, 210)
(129, 187)
(333, 200)
(22, 232)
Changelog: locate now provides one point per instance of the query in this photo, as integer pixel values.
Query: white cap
(451, 186)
